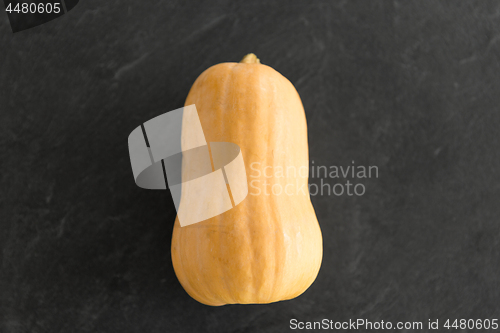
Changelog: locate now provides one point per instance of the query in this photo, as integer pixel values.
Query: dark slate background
(412, 87)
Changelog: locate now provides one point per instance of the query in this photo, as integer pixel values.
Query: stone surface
(409, 87)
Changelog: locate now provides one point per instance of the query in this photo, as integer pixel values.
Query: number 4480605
(34, 8)
(472, 324)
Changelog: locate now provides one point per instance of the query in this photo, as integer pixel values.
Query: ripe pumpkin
(269, 247)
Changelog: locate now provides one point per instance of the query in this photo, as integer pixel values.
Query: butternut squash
(269, 247)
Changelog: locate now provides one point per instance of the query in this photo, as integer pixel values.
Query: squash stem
(250, 59)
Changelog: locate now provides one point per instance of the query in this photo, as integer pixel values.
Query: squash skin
(269, 247)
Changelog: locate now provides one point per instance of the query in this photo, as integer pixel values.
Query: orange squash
(269, 247)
